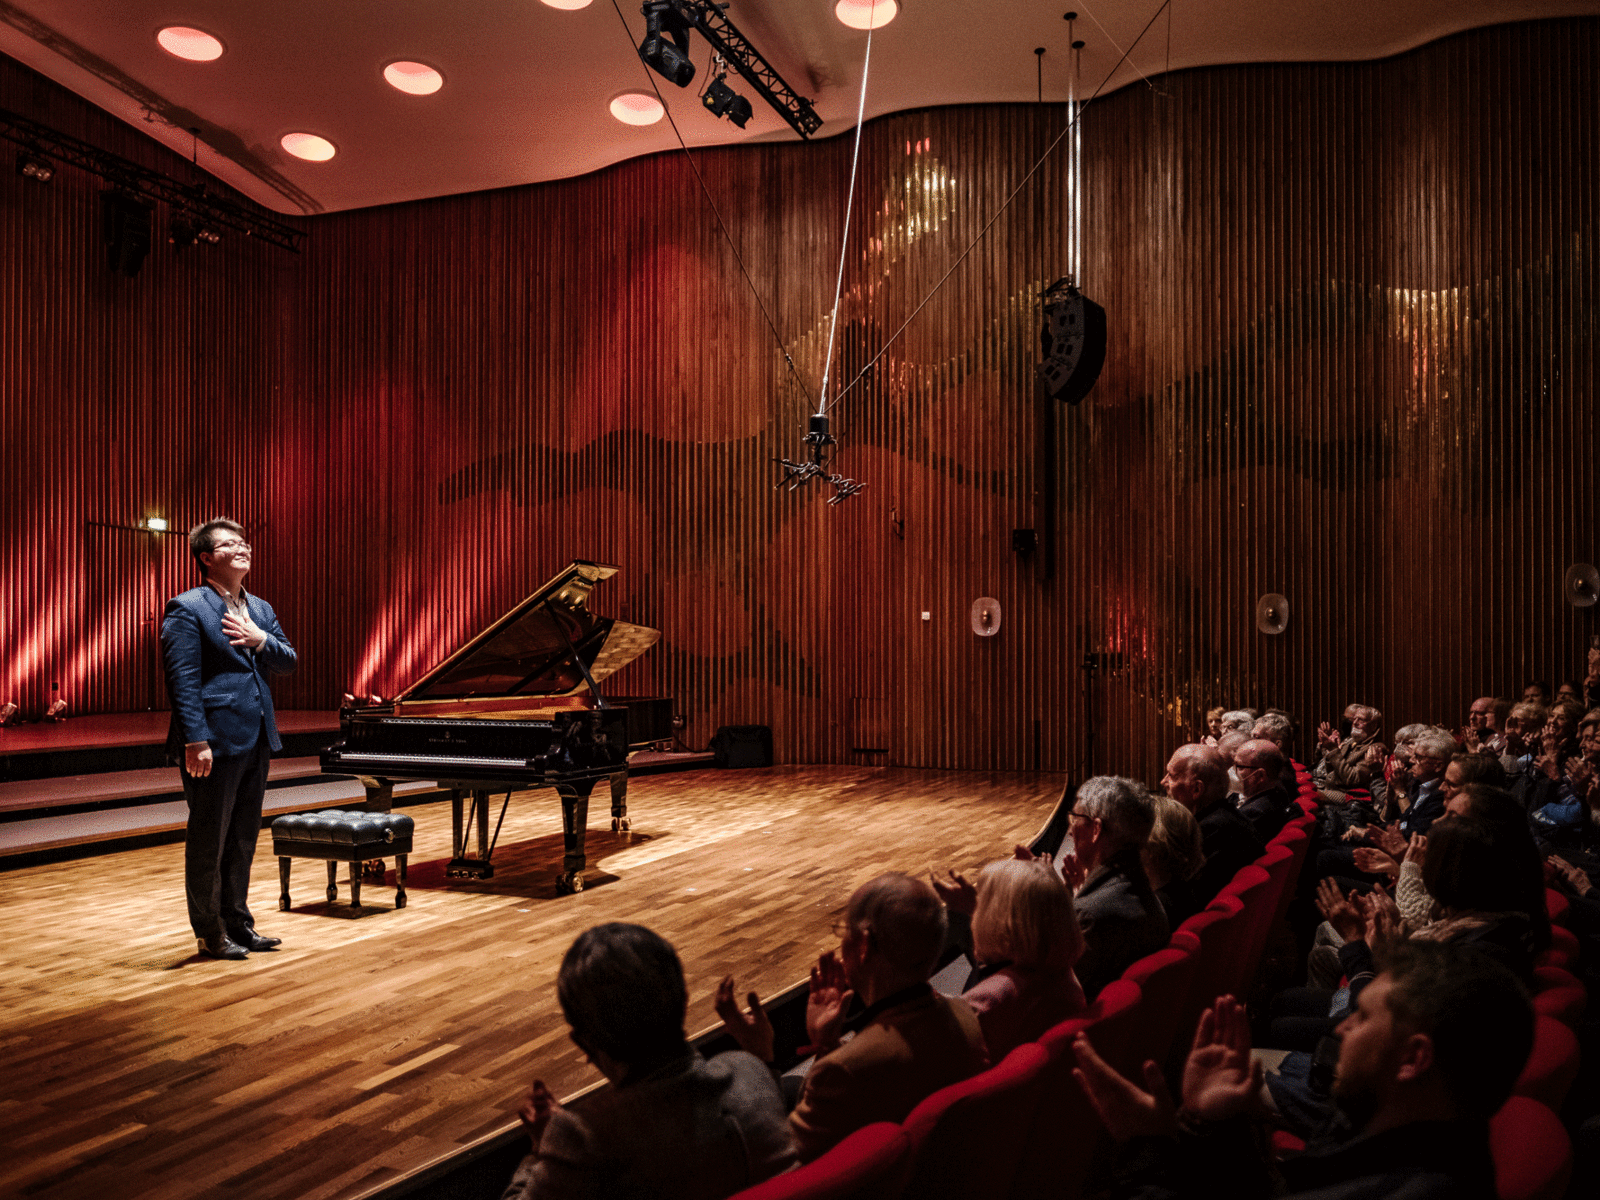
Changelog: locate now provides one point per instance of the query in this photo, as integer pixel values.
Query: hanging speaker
(1581, 585)
(1073, 342)
(985, 616)
(1272, 613)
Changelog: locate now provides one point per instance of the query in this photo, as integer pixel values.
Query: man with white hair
(1121, 917)
(1431, 752)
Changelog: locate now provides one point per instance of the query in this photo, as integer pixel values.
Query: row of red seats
(1024, 1129)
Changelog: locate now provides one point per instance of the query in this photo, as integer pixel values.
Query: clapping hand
(1340, 911)
(1382, 919)
(1327, 735)
(1417, 851)
(1221, 1079)
(1375, 862)
(752, 1029)
(536, 1112)
(957, 892)
(1390, 840)
(827, 1003)
(1126, 1109)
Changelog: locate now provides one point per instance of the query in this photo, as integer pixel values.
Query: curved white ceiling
(527, 86)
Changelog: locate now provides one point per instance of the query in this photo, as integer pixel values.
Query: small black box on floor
(743, 746)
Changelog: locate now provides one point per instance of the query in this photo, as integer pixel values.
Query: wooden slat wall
(1352, 311)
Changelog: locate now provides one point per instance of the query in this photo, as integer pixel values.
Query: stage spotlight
(723, 101)
(183, 232)
(57, 711)
(665, 48)
(157, 524)
(31, 166)
(8, 712)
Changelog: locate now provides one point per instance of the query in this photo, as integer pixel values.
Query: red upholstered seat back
(868, 1164)
(966, 1139)
(1165, 979)
(1532, 1153)
(1552, 1064)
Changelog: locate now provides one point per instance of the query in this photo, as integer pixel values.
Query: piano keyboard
(431, 760)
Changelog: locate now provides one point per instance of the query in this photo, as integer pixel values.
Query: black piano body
(519, 706)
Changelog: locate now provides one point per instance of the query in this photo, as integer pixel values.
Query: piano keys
(519, 706)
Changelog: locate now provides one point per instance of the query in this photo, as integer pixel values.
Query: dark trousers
(224, 819)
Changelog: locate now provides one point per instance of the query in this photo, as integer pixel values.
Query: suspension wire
(844, 234)
(1113, 42)
(982, 233)
(721, 224)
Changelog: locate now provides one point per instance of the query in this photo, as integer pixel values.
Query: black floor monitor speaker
(743, 746)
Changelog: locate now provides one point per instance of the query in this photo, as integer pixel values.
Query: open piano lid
(529, 651)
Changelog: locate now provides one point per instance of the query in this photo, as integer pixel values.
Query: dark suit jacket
(907, 1052)
(1230, 843)
(1268, 812)
(1121, 918)
(219, 691)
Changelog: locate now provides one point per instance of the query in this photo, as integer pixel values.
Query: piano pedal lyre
(373, 868)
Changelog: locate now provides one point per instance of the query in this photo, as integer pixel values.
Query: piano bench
(339, 836)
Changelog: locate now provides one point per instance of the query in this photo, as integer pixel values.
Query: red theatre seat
(1563, 951)
(1532, 1153)
(1552, 1065)
(1217, 928)
(1253, 886)
(1165, 979)
(1556, 904)
(870, 1163)
(1065, 1128)
(1558, 994)
(966, 1139)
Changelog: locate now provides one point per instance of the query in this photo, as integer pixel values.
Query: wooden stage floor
(367, 1049)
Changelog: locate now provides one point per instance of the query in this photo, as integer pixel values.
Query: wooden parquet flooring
(368, 1048)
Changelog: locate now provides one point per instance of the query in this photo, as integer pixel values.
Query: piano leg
(462, 821)
(380, 799)
(619, 803)
(574, 827)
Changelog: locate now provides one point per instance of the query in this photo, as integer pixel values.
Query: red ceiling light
(193, 44)
(308, 146)
(866, 14)
(637, 108)
(413, 78)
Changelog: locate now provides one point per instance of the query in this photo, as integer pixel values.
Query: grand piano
(519, 706)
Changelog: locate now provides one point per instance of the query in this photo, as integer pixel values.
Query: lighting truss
(40, 141)
(708, 18)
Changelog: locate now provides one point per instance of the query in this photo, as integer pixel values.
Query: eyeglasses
(1080, 814)
(236, 544)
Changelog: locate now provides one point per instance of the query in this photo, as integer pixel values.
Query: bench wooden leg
(400, 881)
(283, 882)
(355, 883)
(333, 880)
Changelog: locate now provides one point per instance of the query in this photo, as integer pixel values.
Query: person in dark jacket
(1197, 778)
(1119, 914)
(1263, 800)
(1431, 1052)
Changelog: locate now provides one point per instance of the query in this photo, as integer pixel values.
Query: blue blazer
(219, 691)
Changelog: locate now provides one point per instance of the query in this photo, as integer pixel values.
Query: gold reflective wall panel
(1351, 315)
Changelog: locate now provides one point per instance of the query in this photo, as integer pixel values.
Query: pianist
(218, 644)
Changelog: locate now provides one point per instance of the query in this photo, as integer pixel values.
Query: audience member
(1227, 746)
(1484, 731)
(1026, 938)
(1430, 1053)
(1197, 778)
(1569, 788)
(1119, 914)
(1238, 720)
(1263, 799)
(672, 1124)
(1173, 857)
(1423, 800)
(1214, 728)
(912, 1041)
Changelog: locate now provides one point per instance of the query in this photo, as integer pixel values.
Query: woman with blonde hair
(1172, 858)
(1025, 934)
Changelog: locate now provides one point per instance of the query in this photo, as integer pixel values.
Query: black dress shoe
(251, 940)
(222, 946)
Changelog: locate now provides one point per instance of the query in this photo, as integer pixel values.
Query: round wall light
(308, 146)
(637, 108)
(194, 44)
(866, 14)
(413, 78)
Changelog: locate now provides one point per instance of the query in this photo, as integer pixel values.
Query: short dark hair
(1474, 1011)
(1468, 869)
(621, 989)
(1479, 768)
(202, 537)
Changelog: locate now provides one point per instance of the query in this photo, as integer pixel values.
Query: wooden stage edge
(372, 1048)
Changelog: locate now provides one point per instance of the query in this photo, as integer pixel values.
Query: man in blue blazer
(218, 644)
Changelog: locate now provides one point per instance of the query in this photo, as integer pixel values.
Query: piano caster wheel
(620, 824)
(569, 882)
(373, 869)
(333, 893)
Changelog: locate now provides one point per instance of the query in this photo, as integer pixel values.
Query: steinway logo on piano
(445, 739)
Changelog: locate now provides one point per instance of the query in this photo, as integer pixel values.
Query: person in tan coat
(911, 1041)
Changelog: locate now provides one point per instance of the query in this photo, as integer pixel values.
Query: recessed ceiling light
(866, 14)
(568, 5)
(308, 146)
(193, 44)
(637, 108)
(414, 78)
